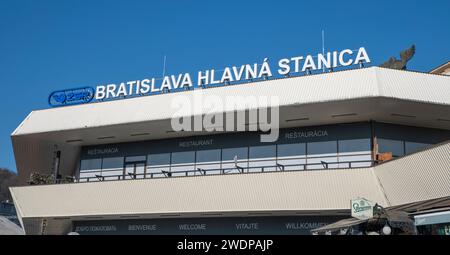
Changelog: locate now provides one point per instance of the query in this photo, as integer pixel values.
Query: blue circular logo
(71, 96)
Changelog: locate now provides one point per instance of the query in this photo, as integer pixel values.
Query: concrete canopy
(417, 177)
(385, 95)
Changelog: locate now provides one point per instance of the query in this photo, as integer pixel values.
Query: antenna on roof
(164, 67)
(323, 47)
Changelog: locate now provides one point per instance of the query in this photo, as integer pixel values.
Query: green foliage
(7, 179)
(40, 179)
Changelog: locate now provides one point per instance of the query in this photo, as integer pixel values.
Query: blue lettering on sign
(71, 96)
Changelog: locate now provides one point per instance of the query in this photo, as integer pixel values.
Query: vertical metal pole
(221, 160)
(145, 166)
(170, 162)
(338, 158)
(276, 157)
(373, 142)
(323, 47)
(164, 67)
(195, 162)
(124, 167)
(248, 159)
(56, 166)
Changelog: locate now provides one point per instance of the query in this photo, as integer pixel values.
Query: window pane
(230, 153)
(84, 176)
(135, 168)
(394, 146)
(183, 161)
(354, 146)
(322, 148)
(91, 164)
(156, 163)
(344, 161)
(112, 163)
(322, 155)
(129, 169)
(294, 149)
(208, 160)
(353, 151)
(89, 168)
(267, 151)
(135, 158)
(140, 169)
(112, 168)
(412, 147)
(208, 156)
(262, 156)
(158, 159)
(183, 157)
(292, 156)
(228, 159)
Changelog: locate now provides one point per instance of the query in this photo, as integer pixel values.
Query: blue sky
(50, 45)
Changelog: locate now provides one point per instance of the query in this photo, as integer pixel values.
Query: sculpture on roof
(405, 56)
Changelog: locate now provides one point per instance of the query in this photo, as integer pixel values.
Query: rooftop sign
(211, 77)
(71, 96)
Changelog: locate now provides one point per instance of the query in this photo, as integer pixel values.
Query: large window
(234, 160)
(354, 153)
(399, 148)
(394, 146)
(135, 159)
(207, 160)
(135, 165)
(292, 156)
(89, 168)
(295, 156)
(262, 158)
(322, 155)
(182, 162)
(271, 157)
(157, 164)
(112, 168)
(134, 170)
(411, 147)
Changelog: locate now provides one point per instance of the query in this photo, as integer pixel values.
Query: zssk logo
(71, 96)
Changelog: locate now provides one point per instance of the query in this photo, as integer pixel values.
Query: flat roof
(344, 85)
(439, 69)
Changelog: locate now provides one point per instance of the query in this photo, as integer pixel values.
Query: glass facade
(89, 168)
(234, 159)
(354, 152)
(411, 147)
(309, 148)
(402, 140)
(291, 156)
(399, 148)
(157, 164)
(209, 160)
(183, 162)
(112, 167)
(263, 158)
(322, 155)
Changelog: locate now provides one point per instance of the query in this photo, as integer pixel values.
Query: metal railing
(165, 172)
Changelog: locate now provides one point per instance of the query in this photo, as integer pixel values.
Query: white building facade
(133, 174)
